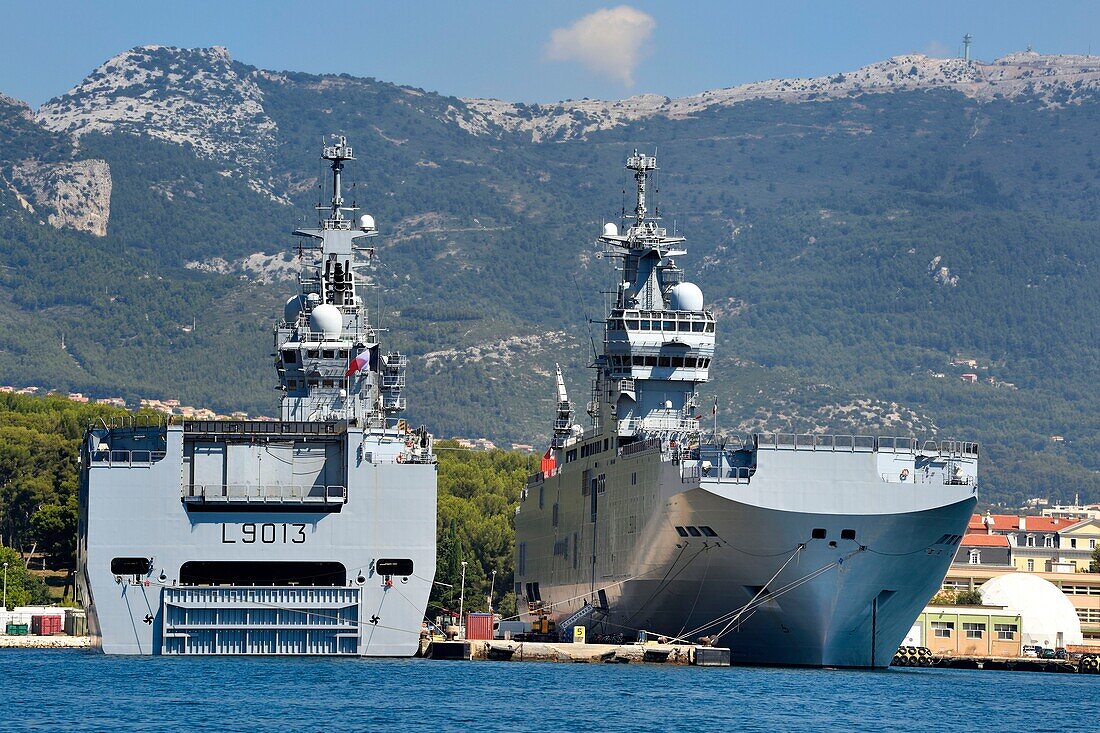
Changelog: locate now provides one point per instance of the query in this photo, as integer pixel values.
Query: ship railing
(862, 444)
(635, 424)
(146, 418)
(311, 337)
(273, 493)
(115, 458)
(716, 472)
(939, 478)
(396, 360)
(539, 476)
(640, 446)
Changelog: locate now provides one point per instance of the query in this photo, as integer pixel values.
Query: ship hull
(815, 561)
(839, 606)
(282, 576)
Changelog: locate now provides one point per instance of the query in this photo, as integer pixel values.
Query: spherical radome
(326, 319)
(292, 308)
(1044, 610)
(610, 230)
(686, 297)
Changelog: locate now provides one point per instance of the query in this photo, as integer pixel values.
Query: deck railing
(264, 493)
(118, 458)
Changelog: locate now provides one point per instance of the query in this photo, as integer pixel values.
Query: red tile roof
(1011, 522)
(985, 540)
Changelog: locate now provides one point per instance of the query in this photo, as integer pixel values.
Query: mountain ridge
(1010, 76)
(856, 245)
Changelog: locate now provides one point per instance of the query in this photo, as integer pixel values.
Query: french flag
(365, 359)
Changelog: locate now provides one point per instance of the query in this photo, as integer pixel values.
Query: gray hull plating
(829, 569)
(136, 510)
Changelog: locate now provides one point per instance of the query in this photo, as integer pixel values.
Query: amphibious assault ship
(789, 549)
(310, 534)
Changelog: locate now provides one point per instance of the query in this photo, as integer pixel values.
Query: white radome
(686, 297)
(610, 230)
(366, 222)
(327, 319)
(292, 308)
(1045, 612)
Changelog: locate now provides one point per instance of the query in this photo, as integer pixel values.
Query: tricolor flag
(367, 358)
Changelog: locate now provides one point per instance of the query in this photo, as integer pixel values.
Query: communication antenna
(587, 318)
(966, 47)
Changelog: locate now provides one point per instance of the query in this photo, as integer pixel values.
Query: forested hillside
(854, 240)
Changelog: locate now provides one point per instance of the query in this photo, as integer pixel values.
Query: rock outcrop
(192, 97)
(73, 194)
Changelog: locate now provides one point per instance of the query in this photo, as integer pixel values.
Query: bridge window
(681, 531)
(290, 356)
(707, 531)
(847, 534)
(694, 532)
(819, 533)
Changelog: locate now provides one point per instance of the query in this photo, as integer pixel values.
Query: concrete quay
(45, 642)
(534, 651)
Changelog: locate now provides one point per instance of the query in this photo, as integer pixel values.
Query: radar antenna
(338, 153)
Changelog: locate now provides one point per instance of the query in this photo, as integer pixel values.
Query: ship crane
(563, 420)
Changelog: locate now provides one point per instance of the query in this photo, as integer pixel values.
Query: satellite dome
(327, 319)
(686, 297)
(292, 308)
(366, 222)
(1046, 615)
(610, 230)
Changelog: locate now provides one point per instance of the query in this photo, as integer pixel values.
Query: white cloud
(609, 42)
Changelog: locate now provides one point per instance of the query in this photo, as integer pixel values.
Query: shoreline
(45, 642)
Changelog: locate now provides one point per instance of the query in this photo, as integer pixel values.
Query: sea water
(67, 690)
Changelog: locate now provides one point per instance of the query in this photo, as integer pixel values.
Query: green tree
(23, 587)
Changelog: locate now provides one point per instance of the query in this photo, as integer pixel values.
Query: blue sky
(505, 49)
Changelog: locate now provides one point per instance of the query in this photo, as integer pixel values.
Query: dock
(45, 642)
(537, 651)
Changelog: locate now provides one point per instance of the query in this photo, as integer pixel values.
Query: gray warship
(790, 549)
(311, 534)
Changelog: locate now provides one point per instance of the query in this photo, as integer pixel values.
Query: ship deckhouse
(659, 340)
(327, 352)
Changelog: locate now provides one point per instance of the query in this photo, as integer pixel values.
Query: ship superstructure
(310, 534)
(789, 549)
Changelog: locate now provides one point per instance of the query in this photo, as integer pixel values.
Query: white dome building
(1047, 617)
